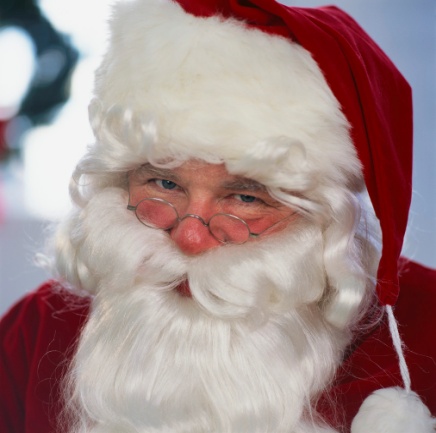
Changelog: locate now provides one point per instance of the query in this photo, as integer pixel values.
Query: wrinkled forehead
(216, 176)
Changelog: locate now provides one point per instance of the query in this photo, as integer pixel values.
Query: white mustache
(156, 347)
(231, 281)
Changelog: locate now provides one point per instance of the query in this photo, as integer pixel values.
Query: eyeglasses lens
(161, 215)
(228, 228)
(156, 214)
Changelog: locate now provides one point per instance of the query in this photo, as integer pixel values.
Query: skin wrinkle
(238, 183)
(203, 174)
(205, 190)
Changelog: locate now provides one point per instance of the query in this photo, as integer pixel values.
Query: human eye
(245, 198)
(253, 203)
(164, 183)
(240, 203)
(162, 187)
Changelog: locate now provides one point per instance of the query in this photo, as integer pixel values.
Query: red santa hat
(311, 74)
(157, 73)
(373, 95)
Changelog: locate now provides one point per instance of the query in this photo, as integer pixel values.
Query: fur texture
(393, 410)
(194, 98)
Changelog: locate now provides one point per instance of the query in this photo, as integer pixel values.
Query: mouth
(183, 289)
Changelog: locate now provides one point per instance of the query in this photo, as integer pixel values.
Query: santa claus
(231, 262)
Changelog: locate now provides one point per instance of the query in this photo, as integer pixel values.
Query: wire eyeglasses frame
(179, 219)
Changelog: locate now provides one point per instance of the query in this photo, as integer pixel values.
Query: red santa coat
(38, 337)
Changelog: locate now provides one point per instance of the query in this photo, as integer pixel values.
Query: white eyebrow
(244, 184)
(163, 173)
(239, 183)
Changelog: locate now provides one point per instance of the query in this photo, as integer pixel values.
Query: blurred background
(48, 52)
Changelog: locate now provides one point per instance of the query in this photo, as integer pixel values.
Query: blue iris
(247, 198)
(167, 184)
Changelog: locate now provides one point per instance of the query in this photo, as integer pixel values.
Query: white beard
(247, 353)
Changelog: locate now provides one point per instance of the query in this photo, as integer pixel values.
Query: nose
(192, 237)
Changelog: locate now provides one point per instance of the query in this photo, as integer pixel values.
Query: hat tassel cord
(398, 344)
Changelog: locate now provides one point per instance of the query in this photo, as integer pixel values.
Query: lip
(183, 289)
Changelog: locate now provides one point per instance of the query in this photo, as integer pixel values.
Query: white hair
(248, 353)
(262, 337)
(350, 232)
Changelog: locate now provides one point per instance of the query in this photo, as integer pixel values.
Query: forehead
(201, 172)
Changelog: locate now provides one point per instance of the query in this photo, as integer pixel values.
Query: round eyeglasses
(157, 213)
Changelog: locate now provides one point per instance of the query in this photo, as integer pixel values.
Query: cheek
(273, 222)
(289, 224)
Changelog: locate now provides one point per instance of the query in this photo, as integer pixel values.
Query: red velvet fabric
(373, 94)
(38, 337)
(373, 363)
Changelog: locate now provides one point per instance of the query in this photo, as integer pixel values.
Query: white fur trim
(212, 88)
(393, 410)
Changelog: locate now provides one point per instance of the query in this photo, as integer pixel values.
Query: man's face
(149, 358)
(199, 189)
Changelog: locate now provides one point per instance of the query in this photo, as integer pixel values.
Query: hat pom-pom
(393, 410)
